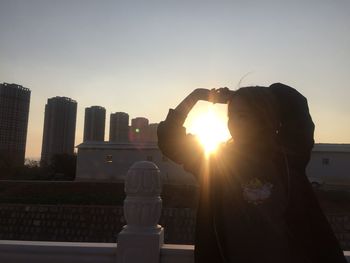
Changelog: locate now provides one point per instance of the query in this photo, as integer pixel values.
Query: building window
(108, 158)
(149, 158)
(325, 161)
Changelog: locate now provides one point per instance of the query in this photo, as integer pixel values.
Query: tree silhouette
(63, 166)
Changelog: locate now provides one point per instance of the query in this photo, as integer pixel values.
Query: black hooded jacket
(287, 226)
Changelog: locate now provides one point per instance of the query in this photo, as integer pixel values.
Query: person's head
(253, 116)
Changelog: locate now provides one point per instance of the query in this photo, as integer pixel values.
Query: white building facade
(108, 161)
(330, 164)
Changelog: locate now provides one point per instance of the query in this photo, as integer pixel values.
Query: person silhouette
(256, 204)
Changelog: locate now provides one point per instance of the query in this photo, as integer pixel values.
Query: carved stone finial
(141, 239)
(143, 204)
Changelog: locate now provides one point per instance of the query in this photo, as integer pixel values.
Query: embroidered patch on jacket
(256, 192)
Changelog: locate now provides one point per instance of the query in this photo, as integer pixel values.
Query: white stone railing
(72, 252)
(56, 252)
(141, 240)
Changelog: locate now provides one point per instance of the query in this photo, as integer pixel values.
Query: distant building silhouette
(59, 128)
(94, 123)
(14, 110)
(152, 132)
(111, 162)
(139, 129)
(119, 127)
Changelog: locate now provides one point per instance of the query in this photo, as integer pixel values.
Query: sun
(210, 125)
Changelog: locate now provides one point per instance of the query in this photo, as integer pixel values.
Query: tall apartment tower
(139, 129)
(94, 124)
(14, 110)
(152, 132)
(119, 127)
(59, 128)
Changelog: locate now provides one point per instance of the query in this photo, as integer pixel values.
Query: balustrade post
(141, 239)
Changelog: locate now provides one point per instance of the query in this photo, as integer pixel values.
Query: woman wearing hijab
(256, 204)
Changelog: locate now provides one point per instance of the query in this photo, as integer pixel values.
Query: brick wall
(84, 223)
(103, 223)
(341, 227)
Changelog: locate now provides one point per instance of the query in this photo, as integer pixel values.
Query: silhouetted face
(243, 123)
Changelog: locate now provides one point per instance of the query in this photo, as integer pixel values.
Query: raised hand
(221, 95)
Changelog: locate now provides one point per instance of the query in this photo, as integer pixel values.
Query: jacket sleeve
(178, 146)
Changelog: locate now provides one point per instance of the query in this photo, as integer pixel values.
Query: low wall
(103, 223)
(66, 223)
(341, 226)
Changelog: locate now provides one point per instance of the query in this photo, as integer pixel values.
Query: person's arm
(188, 103)
(173, 141)
(220, 95)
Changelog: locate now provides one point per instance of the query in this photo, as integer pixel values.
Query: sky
(144, 57)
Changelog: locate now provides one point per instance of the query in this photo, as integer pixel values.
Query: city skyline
(145, 58)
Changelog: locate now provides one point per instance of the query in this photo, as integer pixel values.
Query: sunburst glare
(210, 125)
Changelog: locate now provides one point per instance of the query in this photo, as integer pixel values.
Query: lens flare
(211, 128)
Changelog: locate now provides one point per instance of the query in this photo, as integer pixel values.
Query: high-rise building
(119, 127)
(14, 110)
(94, 124)
(139, 129)
(152, 132)
(59, 128)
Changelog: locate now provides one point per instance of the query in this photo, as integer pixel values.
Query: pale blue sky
(143, 57)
